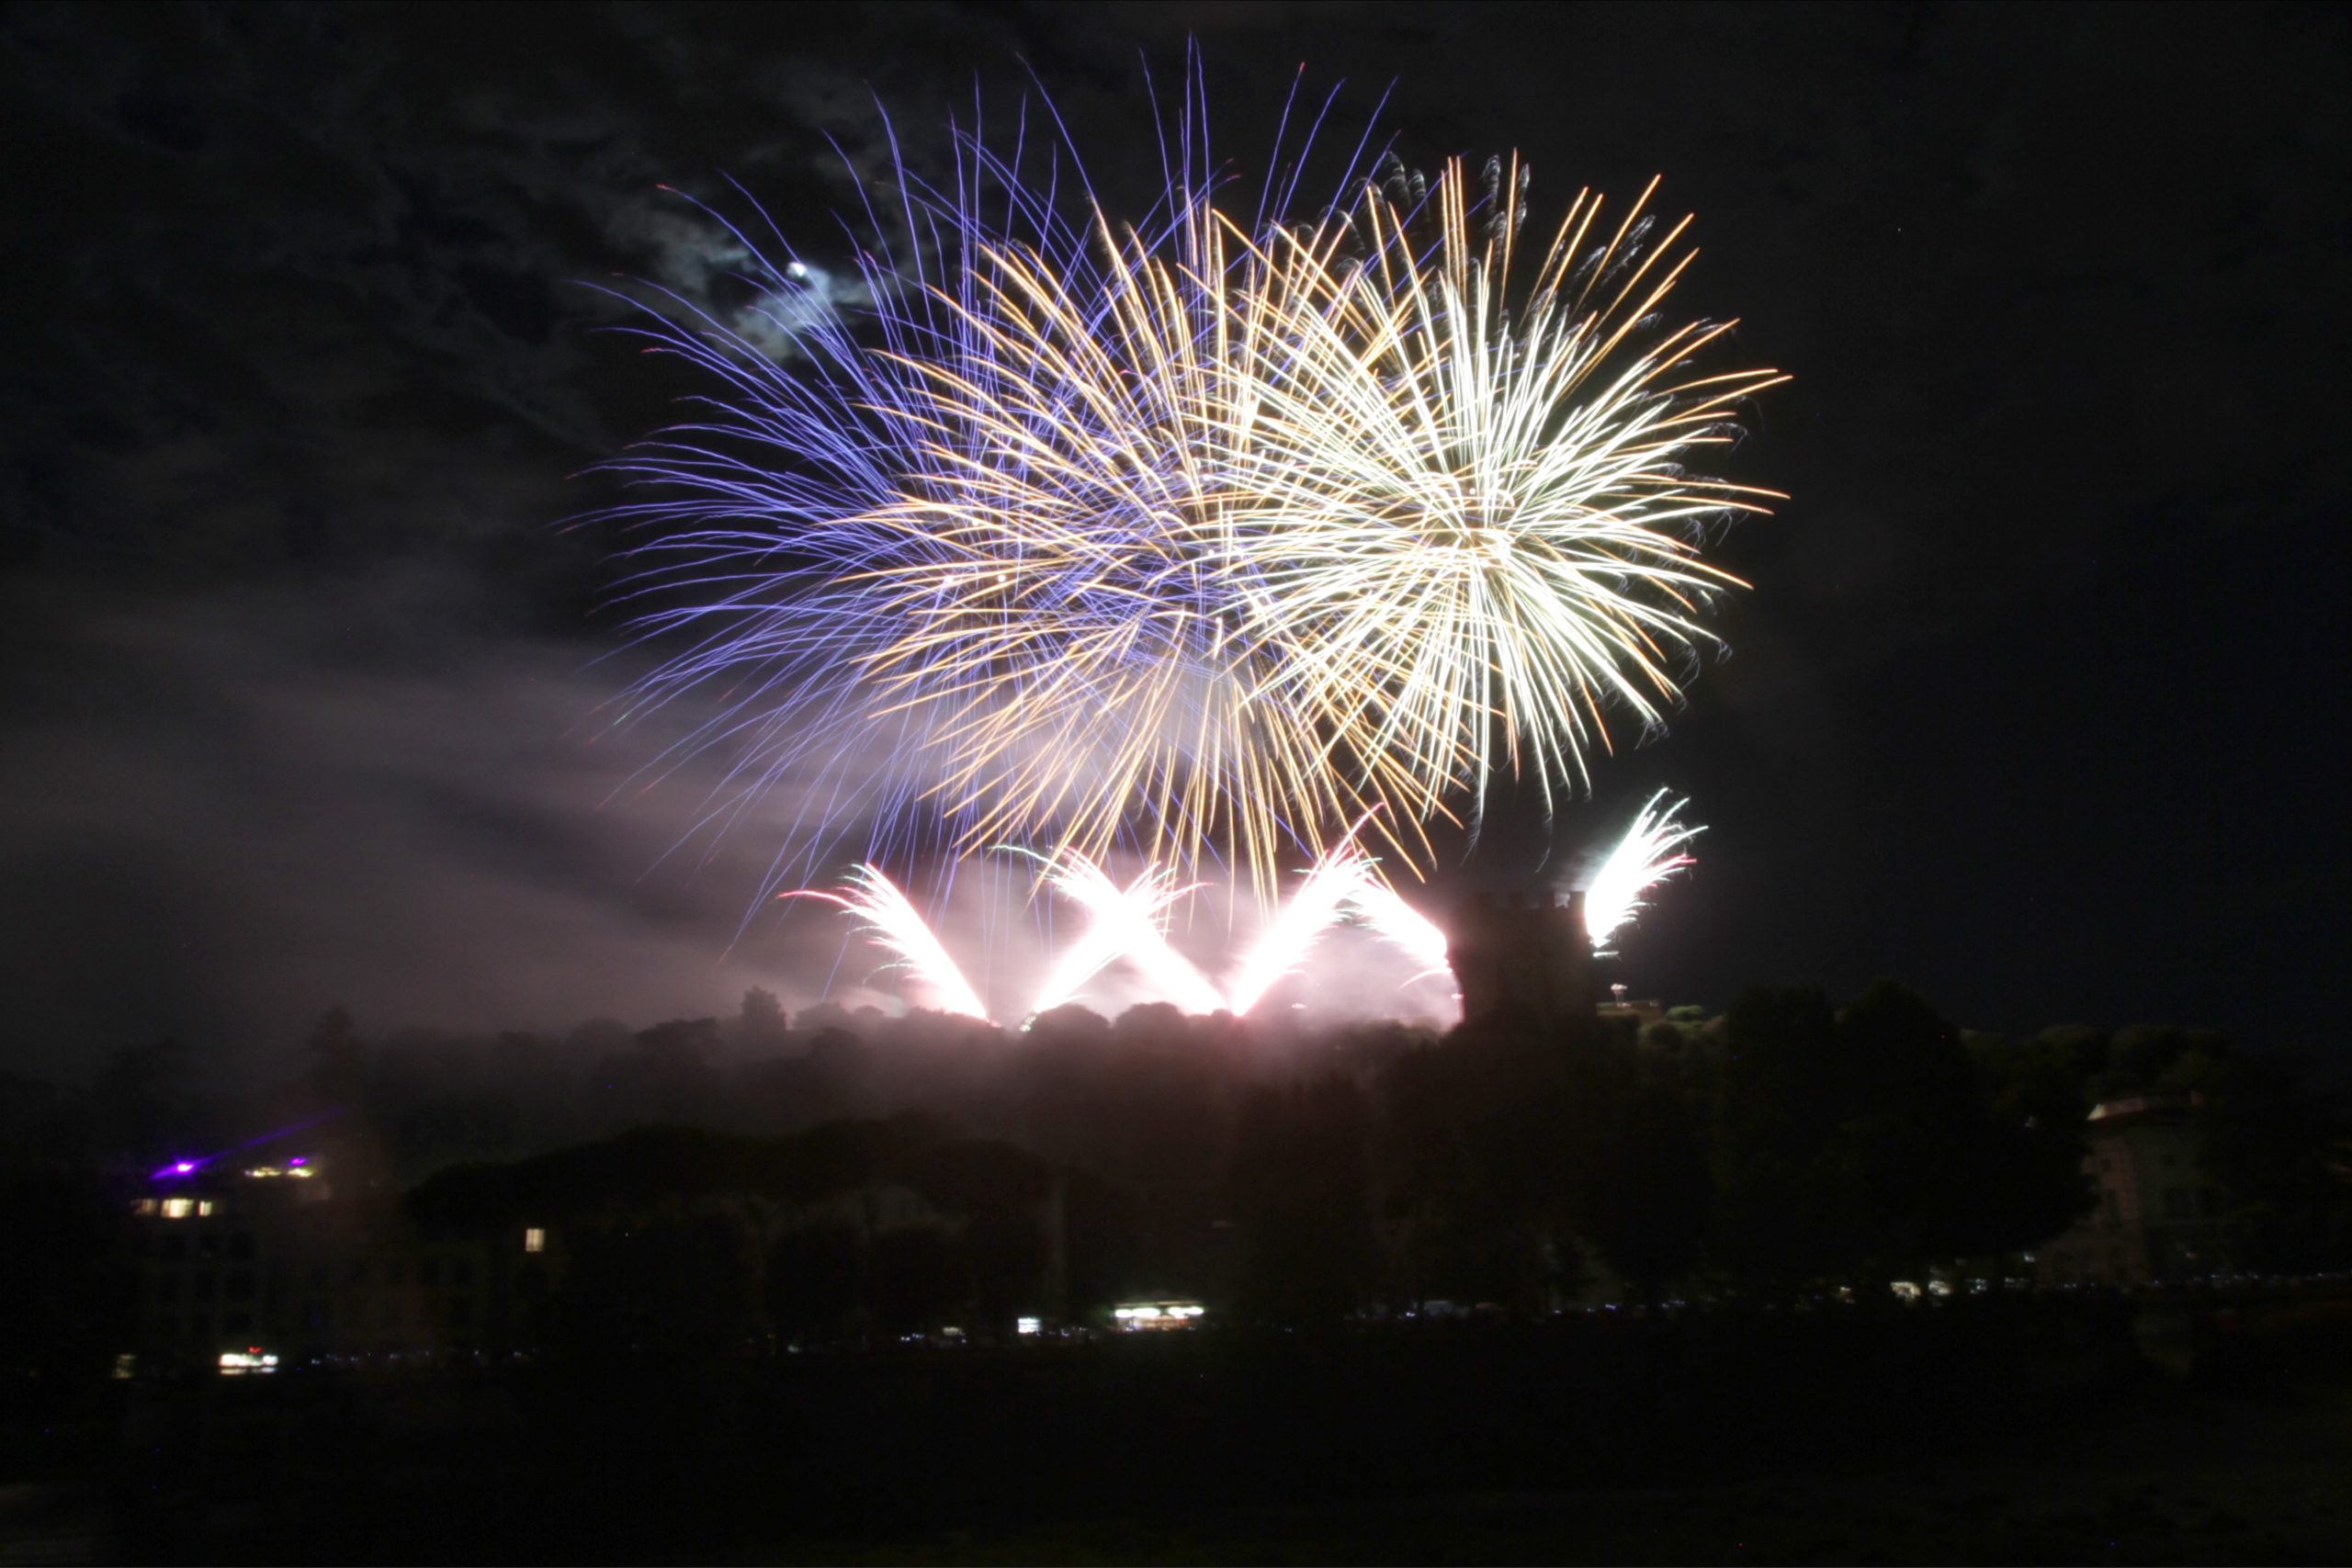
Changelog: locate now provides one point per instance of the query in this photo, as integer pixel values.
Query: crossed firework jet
(1129, 924)
(1210, 533)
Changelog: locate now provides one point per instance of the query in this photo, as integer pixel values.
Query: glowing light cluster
(1147, 1316)
(1206, 536)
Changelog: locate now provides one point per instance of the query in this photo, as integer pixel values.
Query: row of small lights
(298, 1166)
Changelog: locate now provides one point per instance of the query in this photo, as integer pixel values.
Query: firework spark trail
(980, 535)
(884, 914)
(1650, 852)
(1384, 912)
(1329, 885)
(1128, 923)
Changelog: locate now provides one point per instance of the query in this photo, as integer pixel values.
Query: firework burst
(1128, 923)
(1324, 894)
(1484, 528)
(1203, 537)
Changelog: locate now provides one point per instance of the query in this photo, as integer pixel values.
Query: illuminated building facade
(2158, 1214)
(270, 1260)
(258, 1271)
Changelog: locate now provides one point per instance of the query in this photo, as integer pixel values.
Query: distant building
(2157, 1214)
(271, 1259)
(1643, 1010)
(1525, 961)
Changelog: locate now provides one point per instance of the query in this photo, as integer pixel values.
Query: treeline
(1786, 1141)
(1295, 1173)
(1784, 1147)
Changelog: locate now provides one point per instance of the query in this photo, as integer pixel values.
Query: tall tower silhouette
(1524, 961)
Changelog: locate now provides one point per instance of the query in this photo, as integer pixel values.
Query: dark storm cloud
(301, 704)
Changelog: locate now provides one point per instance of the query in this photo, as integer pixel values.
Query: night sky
(2027, 707)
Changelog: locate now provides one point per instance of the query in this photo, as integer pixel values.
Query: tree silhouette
(760, 1026)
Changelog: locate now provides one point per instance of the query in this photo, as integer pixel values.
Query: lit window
(203, 1207)
(178, 1208)
(144, 1206)
(535, 1240)
(1026, 1325)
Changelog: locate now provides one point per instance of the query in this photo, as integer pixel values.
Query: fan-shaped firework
(1204, 534)
(883, 912)
(1650, 852)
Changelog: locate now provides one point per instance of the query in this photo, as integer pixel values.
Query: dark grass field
(2002, 1431)
(2165, 1475)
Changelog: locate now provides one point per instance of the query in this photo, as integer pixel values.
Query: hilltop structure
(2160, 1214)
(1524, 961)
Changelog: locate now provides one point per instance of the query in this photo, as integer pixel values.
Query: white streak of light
(885, 915)
(1331, 884)
(1128, 923)
(1390, 916)
(1646, 856)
